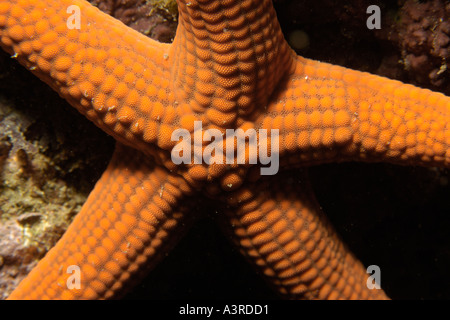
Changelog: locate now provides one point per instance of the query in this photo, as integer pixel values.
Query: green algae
(168, 6)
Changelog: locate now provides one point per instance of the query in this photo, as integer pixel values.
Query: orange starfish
(228, 67)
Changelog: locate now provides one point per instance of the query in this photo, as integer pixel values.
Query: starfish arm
(327, 113)
(115, 76)
(130, 220)
(280, 228)
(229, 56)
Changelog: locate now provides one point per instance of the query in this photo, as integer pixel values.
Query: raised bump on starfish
(139, 91)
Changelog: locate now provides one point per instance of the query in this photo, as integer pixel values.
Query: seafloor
(395, 217)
